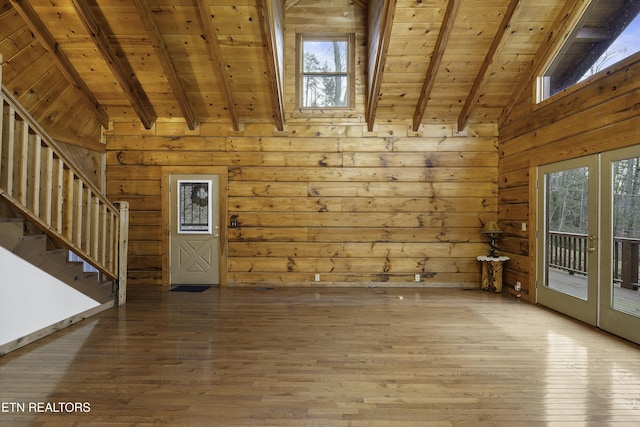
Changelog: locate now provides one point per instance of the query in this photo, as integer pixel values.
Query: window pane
(325, 56)
(567, 197)
(194, 207)
(324, 91)
(608, 33)
(626, 236)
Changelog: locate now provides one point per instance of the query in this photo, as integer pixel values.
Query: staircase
(38, 250)
(63, 245)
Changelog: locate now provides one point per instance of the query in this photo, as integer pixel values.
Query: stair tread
(11, 220)
(56, 252)
(34, 237)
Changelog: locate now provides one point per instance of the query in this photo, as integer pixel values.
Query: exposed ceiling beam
(131, 87)
(42, 34)
(379, 31)
(274, 29)
(483, 74)
(441, 43)
(210, 37)
(151, 26)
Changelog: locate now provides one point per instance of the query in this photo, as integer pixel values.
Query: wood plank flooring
(323, 357)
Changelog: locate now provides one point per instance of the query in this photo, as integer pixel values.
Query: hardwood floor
(323, 357)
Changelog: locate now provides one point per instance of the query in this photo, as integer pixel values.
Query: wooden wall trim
(533, 241)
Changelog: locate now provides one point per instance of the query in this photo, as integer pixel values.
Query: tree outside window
(325, 76)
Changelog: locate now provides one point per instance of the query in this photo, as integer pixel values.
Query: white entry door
(194, 221)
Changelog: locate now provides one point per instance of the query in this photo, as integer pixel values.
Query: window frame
(542, 86)
(349, 73)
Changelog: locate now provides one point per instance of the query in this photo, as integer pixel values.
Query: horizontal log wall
(600, 114)
(353, 206)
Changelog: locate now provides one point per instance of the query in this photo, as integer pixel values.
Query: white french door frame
(598, 309)
(584, 310)
(609, 319)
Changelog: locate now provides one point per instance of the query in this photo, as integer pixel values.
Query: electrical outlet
(518, 287)
(417, 278)
(524, 226)
(317, 277)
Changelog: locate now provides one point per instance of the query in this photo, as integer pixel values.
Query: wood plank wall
(355, 207)
(600, 114)
(90, 162)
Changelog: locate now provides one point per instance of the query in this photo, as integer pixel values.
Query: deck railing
(568, 252)
(44, 185)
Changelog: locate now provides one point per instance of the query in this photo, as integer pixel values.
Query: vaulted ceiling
(78, 65)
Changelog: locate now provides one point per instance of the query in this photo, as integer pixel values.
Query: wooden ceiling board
(11, 23)
(32, 74)
(62, 21)
(413, 35)
(474, 29)
(40, 89)
(245, 59)
(14, 66)
(175, 73)
(412, 46)
(527, 29)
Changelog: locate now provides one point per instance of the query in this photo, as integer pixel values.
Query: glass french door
(568, 236)
(620, 224)
(588, 240)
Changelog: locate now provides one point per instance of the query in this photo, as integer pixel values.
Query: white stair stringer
(33, 250)
(34, 304)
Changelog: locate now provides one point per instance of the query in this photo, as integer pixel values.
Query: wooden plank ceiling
(91, 62)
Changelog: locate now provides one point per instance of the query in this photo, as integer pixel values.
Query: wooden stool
(492, 272)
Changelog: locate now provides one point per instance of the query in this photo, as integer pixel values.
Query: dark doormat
(189, 288)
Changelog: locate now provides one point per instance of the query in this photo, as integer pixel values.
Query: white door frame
(611, 319)
(584, 310)
(607, 318)
(223, 172)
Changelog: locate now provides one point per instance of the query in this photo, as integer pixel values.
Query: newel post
(123, 248)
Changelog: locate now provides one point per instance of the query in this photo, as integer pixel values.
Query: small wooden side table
(492, 272)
